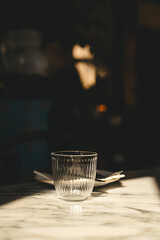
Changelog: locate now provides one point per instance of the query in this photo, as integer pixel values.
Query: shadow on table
(15, 192)
(157, 179)
(154, 173)
(98, 191)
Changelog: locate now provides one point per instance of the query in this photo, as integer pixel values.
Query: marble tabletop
(128, 209)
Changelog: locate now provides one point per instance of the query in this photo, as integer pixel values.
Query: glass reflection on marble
(76, 210)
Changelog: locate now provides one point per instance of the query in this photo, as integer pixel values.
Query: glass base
(73, 197)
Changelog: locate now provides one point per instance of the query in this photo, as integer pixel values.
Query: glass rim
(74, 153)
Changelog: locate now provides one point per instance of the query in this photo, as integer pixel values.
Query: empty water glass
(74, 174)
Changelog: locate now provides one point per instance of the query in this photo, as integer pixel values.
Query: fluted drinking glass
(74, 174)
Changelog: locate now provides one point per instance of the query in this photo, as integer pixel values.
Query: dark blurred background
(77, 75)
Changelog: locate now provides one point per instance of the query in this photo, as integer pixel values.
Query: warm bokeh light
(101, 108)
(87, 74)
(79, 52)
(102, 72)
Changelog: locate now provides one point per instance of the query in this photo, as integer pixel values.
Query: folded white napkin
(107, 177)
